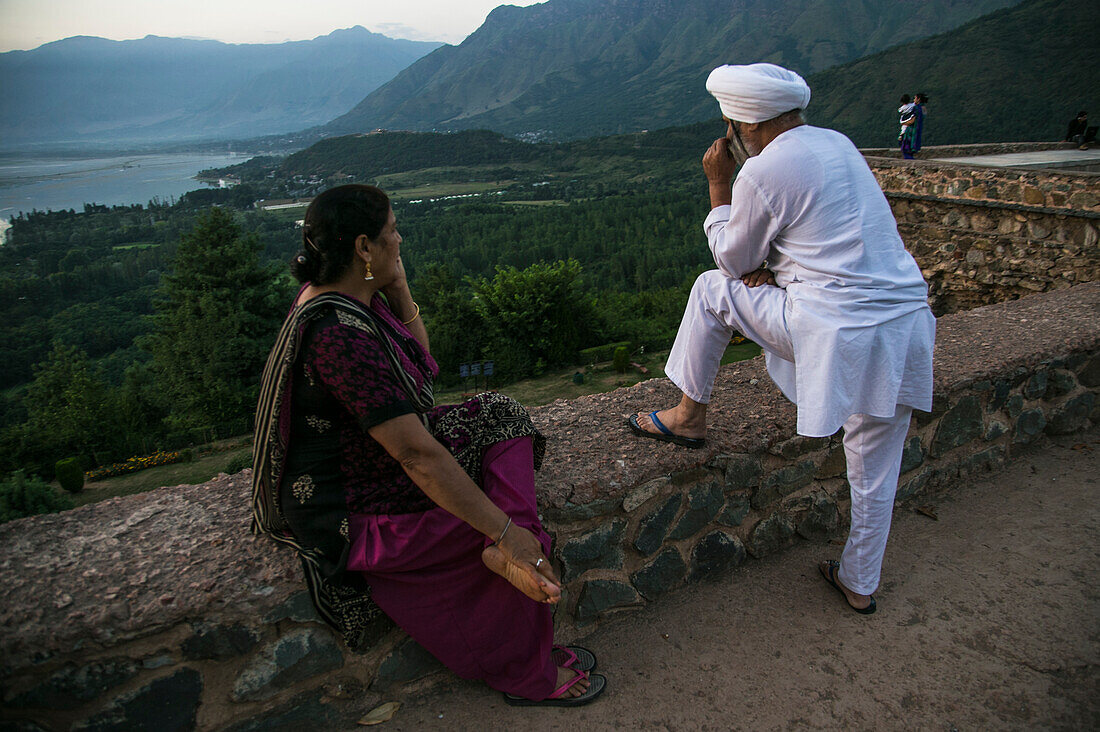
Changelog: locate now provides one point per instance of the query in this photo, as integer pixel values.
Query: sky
(27, 24)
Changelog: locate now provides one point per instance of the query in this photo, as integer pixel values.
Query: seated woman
(427, 513)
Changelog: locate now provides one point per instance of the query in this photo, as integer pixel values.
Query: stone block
(168, 704)
(298, 607)
(298, 655)
(1071, 416)
(1029, 426)
(1089, 373)
(599, 596)
(303, 712)
(1036, 386)
(834, 465)
(821, 520)
(661, 575)
(634, 500)
(798, 446)
(1014, 405)
(73, 685)
(408, 662)
(737, 508)
(742, 471)
(770, 535)
(783, 482)
(912, 487)
(716, 552)
(1060, 383)
(583, 511)
(996, 429)
(984, 461)
(958, 426)
(1034, 196)
(214, 642)
(600, 548)
(655, 527)
(912, 455)
(704, 503)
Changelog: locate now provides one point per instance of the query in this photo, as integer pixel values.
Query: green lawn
(200, 470)
(214, 459)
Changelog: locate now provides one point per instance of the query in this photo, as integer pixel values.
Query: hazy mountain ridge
(87, 88)
(582, 67)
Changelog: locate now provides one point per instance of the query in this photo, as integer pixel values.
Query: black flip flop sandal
(665, 434)
(831, 578)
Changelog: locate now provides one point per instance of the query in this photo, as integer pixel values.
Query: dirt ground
(989, 618)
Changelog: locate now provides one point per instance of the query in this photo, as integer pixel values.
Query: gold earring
(368, 276)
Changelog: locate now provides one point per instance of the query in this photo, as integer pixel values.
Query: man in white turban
(810, 267)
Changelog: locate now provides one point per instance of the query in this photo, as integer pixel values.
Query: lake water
(58, 183)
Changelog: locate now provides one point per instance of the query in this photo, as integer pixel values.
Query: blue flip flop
(832, 579)
(665, 435)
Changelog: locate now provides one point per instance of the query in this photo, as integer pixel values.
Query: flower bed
(135, 463)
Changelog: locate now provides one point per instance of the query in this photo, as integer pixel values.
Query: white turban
(757, 92)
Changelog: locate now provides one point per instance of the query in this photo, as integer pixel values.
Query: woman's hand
(399, 286)
(522, 549)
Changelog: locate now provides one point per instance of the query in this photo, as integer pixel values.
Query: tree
(69, 410)
(537, 317)
(216, 317)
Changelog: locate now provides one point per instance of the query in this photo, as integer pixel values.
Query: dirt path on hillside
(989, 618)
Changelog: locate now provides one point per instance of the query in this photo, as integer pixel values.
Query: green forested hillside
(1017, 74)
(568, 69)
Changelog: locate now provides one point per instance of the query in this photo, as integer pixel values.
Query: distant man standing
(810, 267)
(920, 102)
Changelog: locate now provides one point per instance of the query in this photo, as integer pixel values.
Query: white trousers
(719, 305)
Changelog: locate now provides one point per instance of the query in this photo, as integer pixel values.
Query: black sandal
(832, 579)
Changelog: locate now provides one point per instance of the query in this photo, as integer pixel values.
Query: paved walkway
(989, 618)
(1076, 159)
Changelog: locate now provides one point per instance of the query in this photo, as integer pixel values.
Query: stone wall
(966, 151)
(985, 235)
(159, 610)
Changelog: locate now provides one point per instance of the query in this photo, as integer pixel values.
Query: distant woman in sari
(428, 513)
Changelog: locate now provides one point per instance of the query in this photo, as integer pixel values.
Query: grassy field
(201, 469)
(216, 458)
(559, 384)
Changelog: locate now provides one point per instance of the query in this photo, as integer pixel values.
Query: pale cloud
(26, 24)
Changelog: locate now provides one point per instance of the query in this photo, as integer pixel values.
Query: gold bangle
(414, 317)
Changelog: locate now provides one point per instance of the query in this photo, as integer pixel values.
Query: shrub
(187, 456)
(578, 378)
(22, 496)
(621, 359)
(597, 354)
(69, 474)
(238, 463)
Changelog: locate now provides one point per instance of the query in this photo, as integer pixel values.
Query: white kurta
(856, 302)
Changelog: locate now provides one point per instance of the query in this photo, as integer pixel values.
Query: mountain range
(86, 89)
(574, 68)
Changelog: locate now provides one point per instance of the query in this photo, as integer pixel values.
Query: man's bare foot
(856, 600)
(677, 421)
(564, 676)
(524, 579)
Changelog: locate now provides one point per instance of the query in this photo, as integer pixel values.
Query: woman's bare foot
(524, 579)
(564, 676)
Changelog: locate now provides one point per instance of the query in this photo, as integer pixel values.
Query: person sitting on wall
(428, 513)
(841, 309)
(1077, 129)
